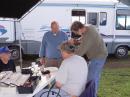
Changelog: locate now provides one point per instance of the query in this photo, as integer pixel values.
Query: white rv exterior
(43, 15)
(110, 19)
(6, 31)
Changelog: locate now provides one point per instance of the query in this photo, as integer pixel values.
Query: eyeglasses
(74, 31)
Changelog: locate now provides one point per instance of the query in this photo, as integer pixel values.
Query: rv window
(120, 23)
(128, 22)
(123, 12)
(79, 15)
(92, 18)
(103, 18)
(75, 18)
(123, 18)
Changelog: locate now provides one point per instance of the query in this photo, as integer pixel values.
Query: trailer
(110, 18)
(11, 13)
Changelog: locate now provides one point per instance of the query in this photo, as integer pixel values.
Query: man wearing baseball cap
(5, 63)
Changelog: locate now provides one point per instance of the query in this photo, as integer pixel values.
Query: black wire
(58, 94)
(50, 89)
(52, 92)
(43, 93)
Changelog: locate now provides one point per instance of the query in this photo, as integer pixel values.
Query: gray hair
(68, 47)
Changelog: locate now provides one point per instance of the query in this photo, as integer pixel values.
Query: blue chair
(89, 90)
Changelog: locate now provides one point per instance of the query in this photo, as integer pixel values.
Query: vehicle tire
(15, 53)
(121, 52)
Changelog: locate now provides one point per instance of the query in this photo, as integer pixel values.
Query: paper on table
(11, 78)
(22, 79)
(2, 75)
(6, 77)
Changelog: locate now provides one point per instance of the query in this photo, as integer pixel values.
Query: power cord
(49, 91)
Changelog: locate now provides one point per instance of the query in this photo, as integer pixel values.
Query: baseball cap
(4, 50)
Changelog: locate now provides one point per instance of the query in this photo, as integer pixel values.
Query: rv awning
(15, 8)
(127, 2)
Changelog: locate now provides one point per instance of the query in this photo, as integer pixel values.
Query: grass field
(115, 83)
(115, 79)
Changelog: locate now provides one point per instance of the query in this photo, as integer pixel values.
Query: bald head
(54, 26)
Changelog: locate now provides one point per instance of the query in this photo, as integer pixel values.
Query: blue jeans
(94, 71)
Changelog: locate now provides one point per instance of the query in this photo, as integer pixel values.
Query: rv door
(104, 27)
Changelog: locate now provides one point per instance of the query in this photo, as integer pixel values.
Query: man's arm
(43, 47)
(82, 48)
(42, 50)
(87, 41)
(13, 67)
(65, 36)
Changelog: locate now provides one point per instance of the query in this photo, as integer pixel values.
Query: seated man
(5, 63)
(72, 74)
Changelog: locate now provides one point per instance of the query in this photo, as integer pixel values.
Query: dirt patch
(111, 62)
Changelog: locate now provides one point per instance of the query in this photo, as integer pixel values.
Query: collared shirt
(50, 44)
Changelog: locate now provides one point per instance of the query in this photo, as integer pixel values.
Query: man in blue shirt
(5, 63)
(50, 54)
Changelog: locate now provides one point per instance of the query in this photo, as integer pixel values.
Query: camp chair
(89, 90)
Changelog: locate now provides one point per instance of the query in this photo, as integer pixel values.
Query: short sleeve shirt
(10, 66)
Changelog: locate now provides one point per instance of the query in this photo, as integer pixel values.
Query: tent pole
(20, 34)
(20, 45)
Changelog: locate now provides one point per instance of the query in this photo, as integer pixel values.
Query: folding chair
(89, 90)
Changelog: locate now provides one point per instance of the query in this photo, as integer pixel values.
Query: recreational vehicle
(111, 19)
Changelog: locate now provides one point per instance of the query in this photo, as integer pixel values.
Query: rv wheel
(121, 52)
(15, 53)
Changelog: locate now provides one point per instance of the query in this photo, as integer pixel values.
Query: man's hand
(71, 40)
(42, 61)
(58, 84)
(75, 41)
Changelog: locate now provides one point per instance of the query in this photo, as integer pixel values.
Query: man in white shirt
(72, 74)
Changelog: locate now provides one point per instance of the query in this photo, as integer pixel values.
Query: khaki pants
(52, 62)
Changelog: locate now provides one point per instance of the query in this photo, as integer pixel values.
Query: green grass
(115, 83)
